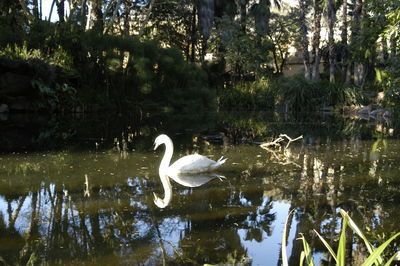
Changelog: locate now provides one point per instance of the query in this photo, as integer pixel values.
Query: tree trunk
(51, 10)
(193, 37)
(243, 14)
(40, 9)
(83, 12)
(97, 14)
(355, 33)
(315, 53)
(344, 40)
(331, 40)
(393, 50)
(60, 10)
(385, 52)
(35, 9)
(112, 19)
(262, 17)
(206, 17)
(147, 17)
(304, 39)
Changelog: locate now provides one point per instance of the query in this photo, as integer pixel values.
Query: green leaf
(327, 246)
(357, 230)
(389, 262)
(341, 253)
(307, 251)
(302, 257)
(377, 253)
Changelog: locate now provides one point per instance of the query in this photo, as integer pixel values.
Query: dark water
(80, 190)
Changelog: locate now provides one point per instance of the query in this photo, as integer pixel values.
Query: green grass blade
(307, 251)
(302, 257)
(327, 246)
(341, 253)
(284, 254)
(372, 258)
(389, 262)
(357, 230)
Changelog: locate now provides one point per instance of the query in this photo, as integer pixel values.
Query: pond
(79, 190)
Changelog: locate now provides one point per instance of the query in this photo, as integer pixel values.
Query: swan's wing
(194, 163)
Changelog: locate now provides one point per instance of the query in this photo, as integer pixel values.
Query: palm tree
(60, 10)
(304, 39)
(315, 52)
(331, 16)
(206, 17)
(344, 39)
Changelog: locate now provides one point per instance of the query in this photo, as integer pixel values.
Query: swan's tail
(218, 163)
(221, 160)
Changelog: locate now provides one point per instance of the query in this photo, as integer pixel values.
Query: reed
(375, 254)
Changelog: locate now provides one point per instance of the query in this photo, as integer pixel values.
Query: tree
(60, 10)
(344, 33)
(304, 39)
(206, 18)
(282, 32)
(331, 17)
(315, 52)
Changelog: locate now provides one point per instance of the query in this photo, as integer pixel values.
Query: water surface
(85, 195)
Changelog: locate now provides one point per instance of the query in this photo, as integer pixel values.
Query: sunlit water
(95, 204)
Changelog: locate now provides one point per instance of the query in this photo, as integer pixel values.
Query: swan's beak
(156, 145)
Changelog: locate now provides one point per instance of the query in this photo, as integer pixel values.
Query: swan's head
(162, 139)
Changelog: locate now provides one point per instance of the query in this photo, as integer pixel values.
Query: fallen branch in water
(282, 158)
(277, 142)
(285, 156)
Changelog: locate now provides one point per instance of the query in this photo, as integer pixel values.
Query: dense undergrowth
(94, 72)
(291, 94)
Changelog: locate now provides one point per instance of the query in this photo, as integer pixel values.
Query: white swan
(190, 164)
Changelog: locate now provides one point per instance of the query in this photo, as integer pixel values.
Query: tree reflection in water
(50, 213)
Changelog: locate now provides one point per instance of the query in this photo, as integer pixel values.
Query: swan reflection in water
(187, 180)
(189, 171)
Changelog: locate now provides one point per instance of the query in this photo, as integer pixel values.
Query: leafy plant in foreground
(375, 257)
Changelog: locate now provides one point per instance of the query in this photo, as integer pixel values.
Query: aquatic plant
(375, 257)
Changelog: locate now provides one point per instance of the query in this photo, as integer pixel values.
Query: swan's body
(190, 164)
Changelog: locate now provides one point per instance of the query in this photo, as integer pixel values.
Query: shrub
(298, 94)
(255, 95)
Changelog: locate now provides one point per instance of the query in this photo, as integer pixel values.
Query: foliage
(243, 53)
(20, 52)
(59, 98)
(111, 69)
(283, 33)
(257, 95)
(375, 257)
(298, 94)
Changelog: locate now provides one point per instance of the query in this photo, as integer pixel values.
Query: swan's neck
(162, 203)
(166, 160)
